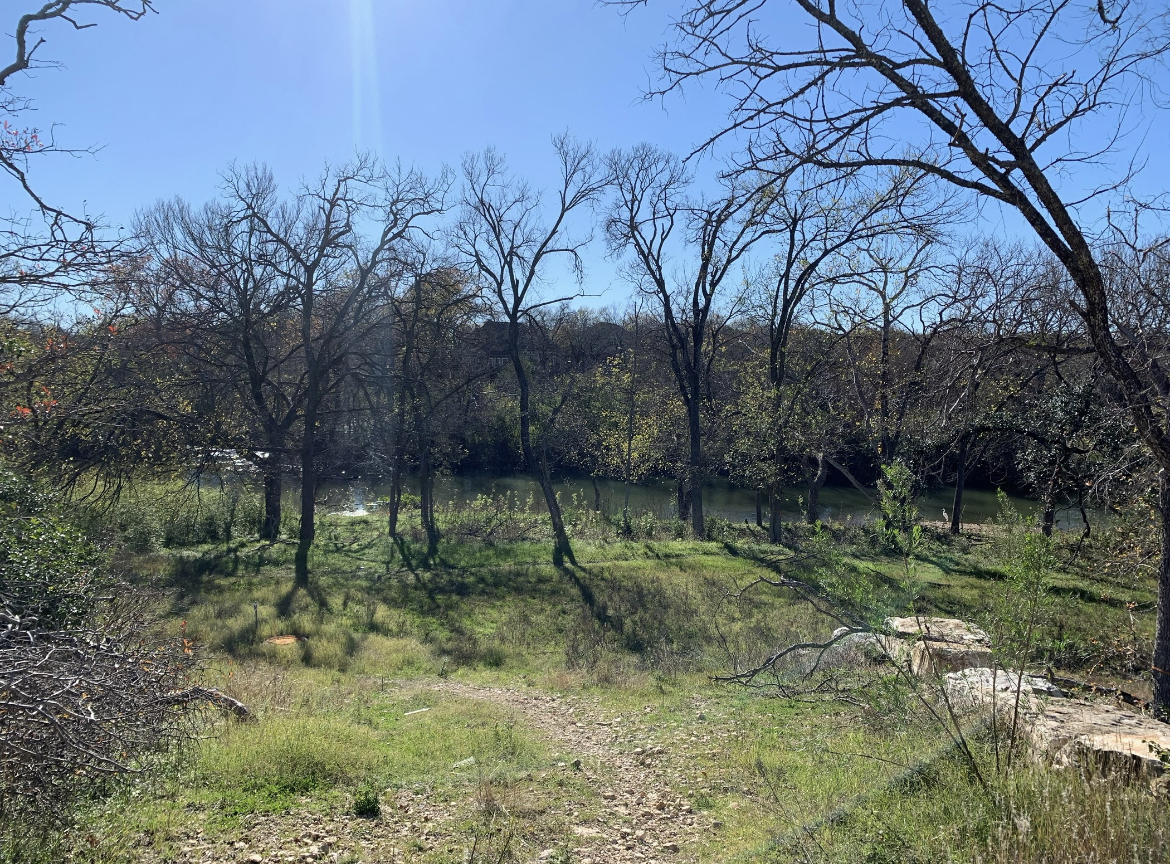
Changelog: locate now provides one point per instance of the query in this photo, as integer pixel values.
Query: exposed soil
(644, 819)
(635, 811)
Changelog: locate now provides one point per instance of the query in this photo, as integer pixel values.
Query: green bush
(366, 803)
(718, 528)
(140, 527)
(178, 514)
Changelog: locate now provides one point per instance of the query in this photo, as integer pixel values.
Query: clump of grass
(1036, 814)
(282, 756)
(1053, 816)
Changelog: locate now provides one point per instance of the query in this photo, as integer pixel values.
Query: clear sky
(174, 98)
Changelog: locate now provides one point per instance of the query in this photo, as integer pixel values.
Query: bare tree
(509, 242)
(316, 246)
(683, 249)
(1005, 101)
(825, 222)
(222, 301)
(44, 251)
(432, 315)
(981, 363)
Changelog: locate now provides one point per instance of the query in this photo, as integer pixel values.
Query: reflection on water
(720, 498)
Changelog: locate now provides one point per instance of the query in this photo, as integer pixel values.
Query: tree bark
(308, 527)
(694, 423)
(426, 496)
(561, 547)
(774, 513)
(1161, 665)
(1049, 501)
(960, 483)
(270, 528)
(816, 480)
(596, 494)
(683, 499)
(759, 508)
(394, 506)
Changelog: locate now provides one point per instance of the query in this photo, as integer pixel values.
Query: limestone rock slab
(937, 645)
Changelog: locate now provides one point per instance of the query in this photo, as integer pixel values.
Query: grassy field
(492, 707)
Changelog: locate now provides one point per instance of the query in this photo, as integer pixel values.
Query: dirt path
(644, 820)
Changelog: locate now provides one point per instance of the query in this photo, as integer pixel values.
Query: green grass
(268, 765)
(636, 625)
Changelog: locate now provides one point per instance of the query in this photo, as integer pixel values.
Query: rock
(1075, 732)
(1069, 731)
(255, 858)
(670, 847)
(973, 688)
(936, 645)
(950, 630)
(576, 764)
(853, 649)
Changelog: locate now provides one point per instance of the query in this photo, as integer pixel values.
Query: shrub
(718, 528)
(366, 803)
(76, 641)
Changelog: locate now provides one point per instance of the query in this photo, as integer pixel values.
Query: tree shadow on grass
(284, 605)
(598, 609)
(195, 574)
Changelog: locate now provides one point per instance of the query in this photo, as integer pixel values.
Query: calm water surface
(720, 498)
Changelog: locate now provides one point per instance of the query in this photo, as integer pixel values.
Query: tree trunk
(960, 483)
(816, 480)
(426, 495)
(774, 513)
(395, 503)
(631, 405)
(694, 422)
(682, 498)
(596, 494)
(1161, 665)
(1049, 501)
(395, 448)
(308, 528)
(270, 528)
(1087, 531)
(759, 508)
(561, 547)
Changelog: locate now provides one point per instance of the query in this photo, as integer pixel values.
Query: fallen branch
(1096, 689)
(215, 698)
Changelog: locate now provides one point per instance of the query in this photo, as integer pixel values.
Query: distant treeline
(272, 330)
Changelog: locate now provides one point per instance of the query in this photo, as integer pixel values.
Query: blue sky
(171, 100)
(295, 82)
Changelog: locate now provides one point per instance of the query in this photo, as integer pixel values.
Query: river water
(720, 498)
